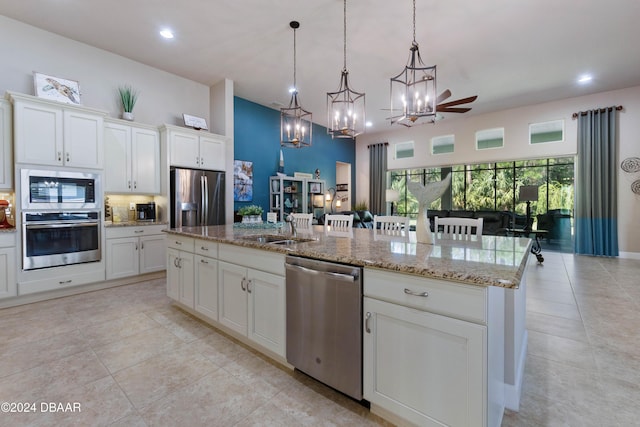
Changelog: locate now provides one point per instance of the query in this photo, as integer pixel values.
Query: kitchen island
(444, 338)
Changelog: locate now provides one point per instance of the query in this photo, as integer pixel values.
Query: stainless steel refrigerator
(197, 197)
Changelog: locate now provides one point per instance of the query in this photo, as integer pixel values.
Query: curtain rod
(602, 110)
(381, 143)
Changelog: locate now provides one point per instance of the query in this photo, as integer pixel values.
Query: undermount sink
(276, 240)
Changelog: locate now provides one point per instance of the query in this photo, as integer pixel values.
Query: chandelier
(346, 107)
(413, 91)
(295, 121)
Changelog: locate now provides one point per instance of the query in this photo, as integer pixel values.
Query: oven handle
(61, 225)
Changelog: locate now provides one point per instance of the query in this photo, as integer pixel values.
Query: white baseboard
(629, 255)
(512, 391)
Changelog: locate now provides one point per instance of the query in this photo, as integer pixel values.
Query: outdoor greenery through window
(495, 187)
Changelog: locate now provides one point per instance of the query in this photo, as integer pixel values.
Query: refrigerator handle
(205, 216)
(202, 206)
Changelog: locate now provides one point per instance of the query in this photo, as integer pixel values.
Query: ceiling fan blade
(459, 101)
(452, 109)
(444, 95)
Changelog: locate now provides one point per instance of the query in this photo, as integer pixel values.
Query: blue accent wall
(257, 139)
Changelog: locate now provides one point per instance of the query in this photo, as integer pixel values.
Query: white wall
(516, 123)
(163, 97)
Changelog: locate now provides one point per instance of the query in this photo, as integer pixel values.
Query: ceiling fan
(445, 107)
(449, 107)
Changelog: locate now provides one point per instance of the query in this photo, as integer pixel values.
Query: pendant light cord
(295, 86)
(414, 21)
(345, 35)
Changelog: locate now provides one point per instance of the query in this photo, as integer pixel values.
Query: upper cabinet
(6, 162)
(50, 133)
(194, 149)
(132, 153)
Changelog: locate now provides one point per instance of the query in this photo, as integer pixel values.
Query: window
(546, 132)
(489, 138)
(495, 186)
(442, 144)
(404, 150)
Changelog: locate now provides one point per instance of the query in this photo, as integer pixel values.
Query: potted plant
(128, 96)
(251, 213)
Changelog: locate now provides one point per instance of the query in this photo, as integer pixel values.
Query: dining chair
(303, 221)
(458, 227)
(338, 222)
(391, 223)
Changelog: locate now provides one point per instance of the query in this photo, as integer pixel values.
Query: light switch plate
(132, 206)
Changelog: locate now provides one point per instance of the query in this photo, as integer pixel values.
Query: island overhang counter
(475, 311)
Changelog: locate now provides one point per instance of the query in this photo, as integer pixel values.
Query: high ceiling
(509, 53)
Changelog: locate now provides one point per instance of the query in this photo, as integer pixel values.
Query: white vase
(127, 116)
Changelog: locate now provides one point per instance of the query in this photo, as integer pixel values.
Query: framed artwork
(56, 88)
(242, 181)
(314, 188)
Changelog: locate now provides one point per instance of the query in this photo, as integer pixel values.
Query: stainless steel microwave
(41, 189)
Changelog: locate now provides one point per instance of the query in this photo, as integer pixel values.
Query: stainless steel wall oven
(51, 239)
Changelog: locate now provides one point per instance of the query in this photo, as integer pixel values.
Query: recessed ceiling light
(167, 34)
(585, 78)
(368, 124)
(292, 89)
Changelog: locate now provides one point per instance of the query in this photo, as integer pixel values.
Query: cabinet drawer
(133, 231)
(438, 296)
(180, 243)
(206, 248)
(271, 262)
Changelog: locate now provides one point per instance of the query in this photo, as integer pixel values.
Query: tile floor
(130, 358)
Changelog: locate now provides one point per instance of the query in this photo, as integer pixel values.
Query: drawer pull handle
(416, 294)
(65, 282)
(203, 248)
(138, 231)
(204, 262)
(366, 322)
(178, 243)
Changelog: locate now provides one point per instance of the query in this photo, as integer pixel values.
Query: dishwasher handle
(337, 276)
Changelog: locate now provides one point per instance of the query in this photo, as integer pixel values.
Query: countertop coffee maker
(146, 211)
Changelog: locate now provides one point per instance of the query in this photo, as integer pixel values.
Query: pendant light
(295, 121)
(413, 91)
(346, 107)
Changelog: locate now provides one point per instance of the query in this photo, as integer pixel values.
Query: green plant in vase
(128, 97)
(251, 213)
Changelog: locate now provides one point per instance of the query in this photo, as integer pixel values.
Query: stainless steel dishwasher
(324, 322)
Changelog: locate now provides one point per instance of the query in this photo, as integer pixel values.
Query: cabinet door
(187, 279)
(6, 144)
(152, 253)
(206, 277)
(117, 150)
(83, 140)
(38, 134)
(232, 296)
(173, 274)
(145, 144)
(212, 153)
(184, 150)
(122, 257)
(424, 367)
(267, 311)
(8, 285)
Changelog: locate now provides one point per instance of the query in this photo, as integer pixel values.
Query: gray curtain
(377, 178)
(596, 216)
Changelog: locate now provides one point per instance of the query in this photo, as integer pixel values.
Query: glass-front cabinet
(296, 195)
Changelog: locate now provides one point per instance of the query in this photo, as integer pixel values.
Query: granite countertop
(133, 223)
(490, 261)
(8, 230)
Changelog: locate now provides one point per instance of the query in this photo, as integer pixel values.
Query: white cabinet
(194, 149)
(206, 278)
(132, 154)
(180, 270)
(6, 146)
(8, 284)
(51, 133)
(134, 250)
(427, 354)
(251, 295)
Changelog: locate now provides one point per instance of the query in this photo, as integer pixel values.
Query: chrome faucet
(292, 225)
